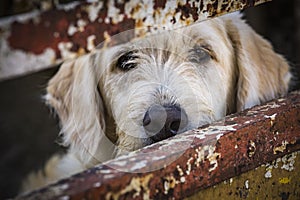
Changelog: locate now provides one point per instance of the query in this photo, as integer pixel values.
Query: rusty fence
(262, 139)
(247, 154)
(55, 32)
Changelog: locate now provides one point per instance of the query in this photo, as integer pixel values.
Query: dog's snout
(161, 122)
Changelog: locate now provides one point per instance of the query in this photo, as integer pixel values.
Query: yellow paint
(284, 180)
(138, 185)
(280, 179)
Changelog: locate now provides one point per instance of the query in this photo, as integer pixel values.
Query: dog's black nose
(161, 122)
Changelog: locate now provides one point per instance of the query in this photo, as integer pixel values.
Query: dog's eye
(199, 55)
(127, 61)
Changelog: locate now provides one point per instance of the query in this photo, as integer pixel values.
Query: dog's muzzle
(161, 122)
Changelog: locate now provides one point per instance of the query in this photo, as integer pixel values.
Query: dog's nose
(161, 122)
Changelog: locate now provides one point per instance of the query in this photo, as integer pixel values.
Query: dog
(122, 98)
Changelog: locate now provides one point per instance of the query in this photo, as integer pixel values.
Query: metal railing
(42, 38)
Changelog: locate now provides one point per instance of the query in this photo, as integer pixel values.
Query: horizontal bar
(180, 166)
(41, 38)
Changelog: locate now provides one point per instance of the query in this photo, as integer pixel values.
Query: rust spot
(52, 29)
(212, 8)
(159, 4)
(187, 10)
(42, 36)
(58, 24)
(251, 149)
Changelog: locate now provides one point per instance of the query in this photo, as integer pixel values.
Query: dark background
(27, 129)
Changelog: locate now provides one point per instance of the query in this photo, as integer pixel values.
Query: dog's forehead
(210, 30)
(207, 32)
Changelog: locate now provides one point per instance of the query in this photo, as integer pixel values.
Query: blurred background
(28, 131)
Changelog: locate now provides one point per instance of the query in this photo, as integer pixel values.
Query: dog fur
(209, 69)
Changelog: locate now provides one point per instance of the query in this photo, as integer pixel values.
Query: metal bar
(180, 166)
(41, 38)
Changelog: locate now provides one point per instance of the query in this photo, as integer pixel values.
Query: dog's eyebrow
(123, 50)
(192, 39)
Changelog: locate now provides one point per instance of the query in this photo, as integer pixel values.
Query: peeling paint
(251, 148)
(138, 185)
(93, 10)
(107, 39)
(280, 148)
(269, 168)
(247, 184)
(270, 105)
(284, 180)
(189, 166)
(272, 118)
(268, 174)
(67, 6)
(169, 183)
(91, 43)
(219, 136)
(180, 171)
(72, 30)
(250, 185)
(212, 156)
(200, 156)
(158, 158)
(81, 24)
(114, 15)
(109, 176)
(105, 171)
(29, 62)
(182, 179)
(213, 159)
(76, 21)
(98, 184)
(65, 50)
(214, 130)
(287, 163)
(21, 18)
(60, 189)
(80, 27)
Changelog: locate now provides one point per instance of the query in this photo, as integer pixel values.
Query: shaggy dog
(117, 100)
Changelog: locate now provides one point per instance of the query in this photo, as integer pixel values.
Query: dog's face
(129, 96)
(165, 84)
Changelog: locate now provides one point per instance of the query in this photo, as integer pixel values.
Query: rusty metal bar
(180, 166)
(41, 38)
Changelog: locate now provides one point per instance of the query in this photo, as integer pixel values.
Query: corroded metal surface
(279, 179)
(180, 166)
(44, 37)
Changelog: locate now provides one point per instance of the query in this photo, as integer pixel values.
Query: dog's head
(129, 96)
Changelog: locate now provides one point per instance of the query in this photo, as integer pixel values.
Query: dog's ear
(261, 73)
(74, 95)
